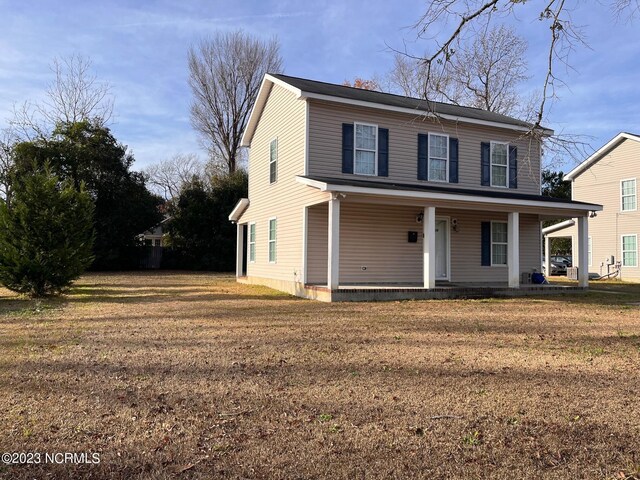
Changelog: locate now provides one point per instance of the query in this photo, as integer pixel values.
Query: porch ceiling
(368, 191)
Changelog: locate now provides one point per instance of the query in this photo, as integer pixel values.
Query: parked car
(557, 267)
(564, 259)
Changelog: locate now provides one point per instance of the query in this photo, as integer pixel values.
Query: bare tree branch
(225, 74)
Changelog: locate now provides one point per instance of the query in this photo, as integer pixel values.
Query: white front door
(442, 249)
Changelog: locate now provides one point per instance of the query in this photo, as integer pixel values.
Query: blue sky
(140, 48)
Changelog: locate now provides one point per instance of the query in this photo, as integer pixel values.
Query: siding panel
(325, 127)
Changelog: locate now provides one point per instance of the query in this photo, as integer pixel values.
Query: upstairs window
(272, 240)
(628, 195)
(498, 243)
(499, 164)
(366, 149)
(273, 161)
(438, 157)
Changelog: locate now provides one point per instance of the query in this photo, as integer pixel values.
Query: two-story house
(610, 177)
(356, 194)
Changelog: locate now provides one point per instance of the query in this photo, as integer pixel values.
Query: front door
(442, 249)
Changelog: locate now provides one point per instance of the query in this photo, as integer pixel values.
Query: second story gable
(611, 176)
(360, 134)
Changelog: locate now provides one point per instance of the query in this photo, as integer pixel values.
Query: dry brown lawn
(174, 375)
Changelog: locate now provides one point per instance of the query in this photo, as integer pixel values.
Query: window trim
(275, 240)
(271, 182)
(590, 251)
(499, 243)
(251, 243)
(491, 164)
(622, 250)
(446, 135)
(635, 194)
(355, 149)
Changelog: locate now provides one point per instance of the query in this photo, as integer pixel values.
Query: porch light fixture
(420, 217)
(592, 214)
(454, 224)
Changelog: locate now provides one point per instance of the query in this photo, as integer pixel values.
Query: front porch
(368, 244)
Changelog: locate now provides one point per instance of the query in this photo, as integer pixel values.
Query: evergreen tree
(46, 235)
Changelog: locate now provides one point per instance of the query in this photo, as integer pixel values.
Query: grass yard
(174, 375)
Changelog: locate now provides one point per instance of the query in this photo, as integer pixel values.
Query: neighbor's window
(628, 190)
(272, 240)
(438, 157)
(252, 242)
(499, 164)
(498, 243)
(629, 250)
(157, 242)
(273, 161)
(590, 251)
(366, 149)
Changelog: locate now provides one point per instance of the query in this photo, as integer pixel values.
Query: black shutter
(485, 239)
(423, 146)
(383, 152)
(513, 166)
(453, 160)
(347, 148)
(485, 155)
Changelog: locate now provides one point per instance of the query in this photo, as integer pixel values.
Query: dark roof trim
(420, 105)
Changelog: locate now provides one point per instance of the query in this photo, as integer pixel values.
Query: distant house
(155, 236)
(357, 194)
(610, 177)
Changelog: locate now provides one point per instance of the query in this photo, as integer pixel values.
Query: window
(272, 240)
(499, 164)
(252, 242)
(273, 161)
(438, 157)
(590, 252)
(157, 242)
(498, 243)
(366, 149)
(629, 250)
(628, 193)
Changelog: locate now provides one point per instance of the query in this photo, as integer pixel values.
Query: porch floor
(442, 290)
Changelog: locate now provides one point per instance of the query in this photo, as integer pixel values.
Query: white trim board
(327, 187)
(239, 209)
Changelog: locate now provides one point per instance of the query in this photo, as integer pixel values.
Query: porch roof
(435, 192)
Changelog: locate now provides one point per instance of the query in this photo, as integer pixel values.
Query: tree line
(70, 199)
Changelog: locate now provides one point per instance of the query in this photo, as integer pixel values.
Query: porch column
(239, 249)
(333, 267)
(547, 256)
(429, 247)
(583, 251)
(513, 249)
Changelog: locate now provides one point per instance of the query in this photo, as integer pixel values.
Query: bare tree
(468, 18)
(484, 72)
(169, 176)
(225, 74)
(75, 94)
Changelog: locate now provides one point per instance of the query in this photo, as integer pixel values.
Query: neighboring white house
(155, 236)
(610, 176)
(353, 191)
